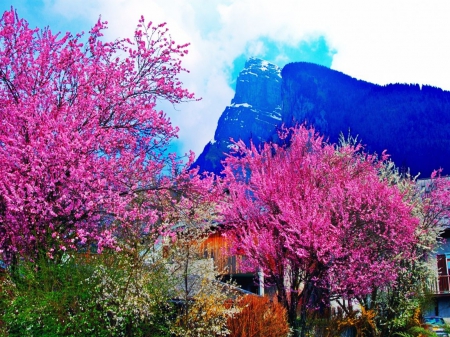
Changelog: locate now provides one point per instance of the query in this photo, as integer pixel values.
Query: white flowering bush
(134, 299)
(207, 312)
(104, 295)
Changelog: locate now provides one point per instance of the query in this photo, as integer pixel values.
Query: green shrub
(99, 295)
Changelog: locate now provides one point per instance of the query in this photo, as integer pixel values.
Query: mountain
(411, 122)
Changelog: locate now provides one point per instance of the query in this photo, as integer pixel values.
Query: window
(443, 264)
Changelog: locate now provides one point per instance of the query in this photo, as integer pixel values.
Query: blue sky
(383, 41)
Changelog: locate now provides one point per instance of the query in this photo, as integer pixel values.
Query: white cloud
(381, 41)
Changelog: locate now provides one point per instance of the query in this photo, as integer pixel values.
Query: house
(440, 286)
(216, 246)
(440, 263)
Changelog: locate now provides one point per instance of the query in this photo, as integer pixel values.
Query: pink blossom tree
(82, 144)
(403, 298)
(317, 218)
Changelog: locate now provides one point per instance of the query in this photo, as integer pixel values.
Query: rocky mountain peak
(258, 85)
(254, 113)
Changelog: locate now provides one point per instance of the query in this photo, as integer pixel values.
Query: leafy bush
(362, 322)
(207, 312)
(105, 295)
(416, 331)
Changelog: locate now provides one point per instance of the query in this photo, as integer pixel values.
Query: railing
(440, 285)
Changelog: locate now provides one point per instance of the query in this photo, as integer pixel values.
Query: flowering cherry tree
(81, 141)
(317, 218)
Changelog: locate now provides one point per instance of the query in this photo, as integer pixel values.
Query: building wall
(230, 264)
(218, 248)
(443, 307)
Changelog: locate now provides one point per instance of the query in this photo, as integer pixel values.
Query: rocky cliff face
(411, 122)
(254, 112)
(259, 84)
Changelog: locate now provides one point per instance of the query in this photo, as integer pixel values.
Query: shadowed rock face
(254, 113)
(411, 122)
(259, 84)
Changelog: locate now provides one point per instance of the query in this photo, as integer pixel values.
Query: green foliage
(104, 295)
(416, 331)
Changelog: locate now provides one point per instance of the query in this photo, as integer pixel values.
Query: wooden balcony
(440, 285)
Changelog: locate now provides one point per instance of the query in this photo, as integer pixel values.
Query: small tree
(204, 302)
(317, 218)
(396, 307)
